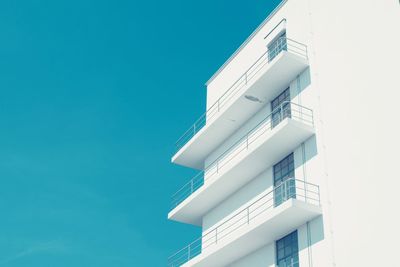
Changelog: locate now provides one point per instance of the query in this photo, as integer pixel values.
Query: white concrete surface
(352, 86)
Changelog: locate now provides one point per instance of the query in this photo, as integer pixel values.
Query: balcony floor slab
(265, 85)
(264, 152)
(261, 231)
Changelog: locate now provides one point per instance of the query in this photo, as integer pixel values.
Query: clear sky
(93, 95)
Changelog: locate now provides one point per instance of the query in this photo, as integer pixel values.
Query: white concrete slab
(257, 233)
(271, 79)
(268, 148)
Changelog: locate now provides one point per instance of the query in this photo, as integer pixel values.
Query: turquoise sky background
(93, 95)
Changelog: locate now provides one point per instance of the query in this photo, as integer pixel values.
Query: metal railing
(282, 44)
(290, 188)
(285, 110)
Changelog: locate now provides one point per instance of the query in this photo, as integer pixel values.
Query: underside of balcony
(260, 150)
(252, 91)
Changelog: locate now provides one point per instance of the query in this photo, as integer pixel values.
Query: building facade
(289, 148)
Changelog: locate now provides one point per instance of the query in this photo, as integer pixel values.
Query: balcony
(276, 135)
(276, 213)
(268, 75)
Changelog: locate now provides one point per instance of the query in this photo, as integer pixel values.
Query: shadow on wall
(300, 84)
(315, 234)
(310, 152)
(263, 182)
(258, 187)
(264, 255)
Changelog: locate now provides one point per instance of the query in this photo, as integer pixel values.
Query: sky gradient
(93, 95)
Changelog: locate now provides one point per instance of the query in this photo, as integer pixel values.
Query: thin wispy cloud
(40, 247)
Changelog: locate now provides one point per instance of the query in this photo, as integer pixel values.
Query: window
(284, 186)
(287, 251)
(280, 107)
(276, 46)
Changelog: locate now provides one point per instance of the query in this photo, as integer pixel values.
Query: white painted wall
(307, 160)
(306, 165)
(301, 93)
(297, 92)
(297, 29)
(264, 257)
(242, 131)
(354, 57)
(356, 66)
(260, 185)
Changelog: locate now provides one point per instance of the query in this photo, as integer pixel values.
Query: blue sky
(93, 95)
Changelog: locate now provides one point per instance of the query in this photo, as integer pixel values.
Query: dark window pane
(281, 253)
(276, 46)
(283, 171)
(289, 255)
(279, 113)
(288, 251)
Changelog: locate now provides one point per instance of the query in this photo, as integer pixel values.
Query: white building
(299, 145)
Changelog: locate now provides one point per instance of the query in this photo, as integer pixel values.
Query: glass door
(276, 46)
(287, 251)
(284, 183)
(280, 107)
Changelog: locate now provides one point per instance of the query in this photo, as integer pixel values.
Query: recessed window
(278, 45)
(280, 107)
(284, 183)
(287, 251)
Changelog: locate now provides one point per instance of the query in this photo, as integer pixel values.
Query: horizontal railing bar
(283, 44)
(262, 126)
(294, 41)
(254, 128)
(245, 215)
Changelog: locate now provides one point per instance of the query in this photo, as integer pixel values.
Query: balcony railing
(285, 110)
(282, 44)
(290, 188)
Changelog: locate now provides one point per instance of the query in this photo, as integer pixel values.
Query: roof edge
(273, 12)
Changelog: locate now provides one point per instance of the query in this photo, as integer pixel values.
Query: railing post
(319, 196)
(312, 117)
(284, 193)
(301, 112)
(306, 52)
(281, 113)
(305, 191)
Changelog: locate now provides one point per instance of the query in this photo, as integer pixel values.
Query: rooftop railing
(290, 188)
(282, 44)
(285, 110)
